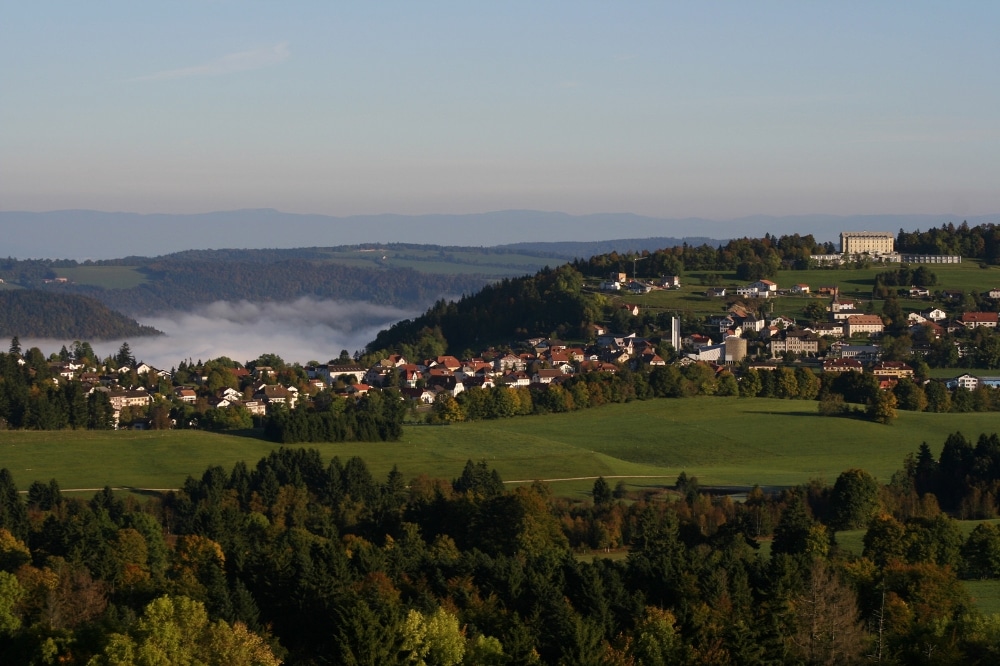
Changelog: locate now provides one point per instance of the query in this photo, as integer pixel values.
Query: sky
(708, 109)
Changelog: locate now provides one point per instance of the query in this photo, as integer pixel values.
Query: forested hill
(394, 275)
(552, 302)
(584, 249)
(36, 314)
(181, 284)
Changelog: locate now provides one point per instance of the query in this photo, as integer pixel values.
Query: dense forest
(25, 312)
(310, 563)
(549, 302)
(179, 282)
(979, 242)
(178, 285)
(375, 417)
(751, 258)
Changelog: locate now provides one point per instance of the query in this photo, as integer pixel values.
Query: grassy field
(722, 441)
(853, 283)
(108, 277)
(985, 594)
(444, 262)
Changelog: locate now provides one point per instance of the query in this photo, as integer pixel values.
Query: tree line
(751, 258)
(303, 561)
(979, 242)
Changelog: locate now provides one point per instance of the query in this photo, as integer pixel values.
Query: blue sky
(712, 109)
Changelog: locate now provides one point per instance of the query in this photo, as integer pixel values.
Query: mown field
(453, 261)
(722, 441)
(107, 277)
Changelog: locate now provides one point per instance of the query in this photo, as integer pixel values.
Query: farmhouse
(638, 287)
(185, 394)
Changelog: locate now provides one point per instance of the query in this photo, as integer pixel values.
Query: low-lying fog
(303, 330)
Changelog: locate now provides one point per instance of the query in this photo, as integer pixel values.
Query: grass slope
(107, 277)
(853, 283)
(723, 441)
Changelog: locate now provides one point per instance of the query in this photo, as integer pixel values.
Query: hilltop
(29, 313)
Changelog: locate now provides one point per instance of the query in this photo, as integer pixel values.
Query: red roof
(979, 317)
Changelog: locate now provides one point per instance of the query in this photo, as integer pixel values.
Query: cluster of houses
(620, 282)
(259, 394)
(767, 289)
(540, 363)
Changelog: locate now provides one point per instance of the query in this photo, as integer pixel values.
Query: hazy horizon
(82, 235)
(708, 110)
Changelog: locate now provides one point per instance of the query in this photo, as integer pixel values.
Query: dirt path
(594, 478)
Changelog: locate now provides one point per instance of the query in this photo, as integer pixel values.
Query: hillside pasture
(106, 277)
(722, 441)
(444, 261)
(853, 284)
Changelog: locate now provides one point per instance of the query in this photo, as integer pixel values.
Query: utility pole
(636, 260)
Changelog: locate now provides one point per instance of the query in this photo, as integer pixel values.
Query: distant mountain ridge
(83, 234)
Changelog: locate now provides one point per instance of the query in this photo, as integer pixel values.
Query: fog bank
(299, 331)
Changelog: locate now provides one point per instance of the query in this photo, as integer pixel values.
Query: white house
(936, 314)
(765, 286)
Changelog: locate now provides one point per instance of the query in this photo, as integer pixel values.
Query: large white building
(871, 242)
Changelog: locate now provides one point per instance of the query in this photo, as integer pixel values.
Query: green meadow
(722, 441)
(107, 277)
(853, 283)
(450, 261)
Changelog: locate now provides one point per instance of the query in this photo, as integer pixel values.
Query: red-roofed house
(977, 319)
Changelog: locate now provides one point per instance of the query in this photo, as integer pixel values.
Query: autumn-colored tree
(177, 630)
(827, 629)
